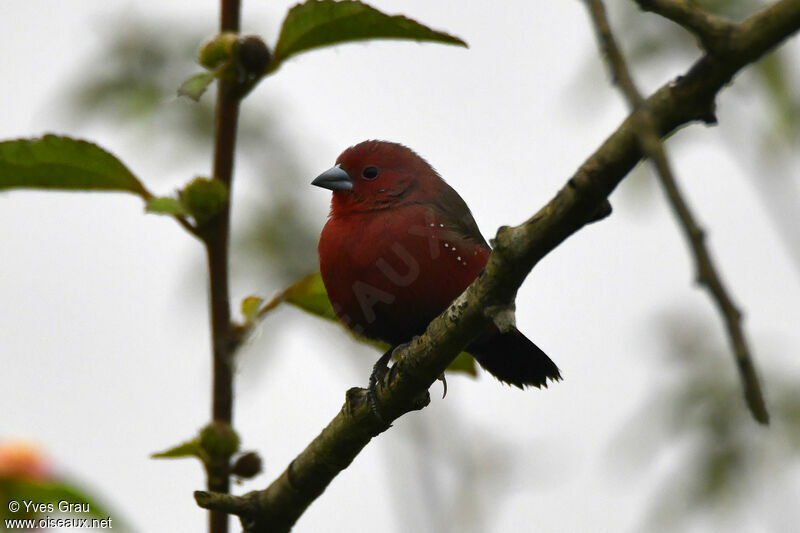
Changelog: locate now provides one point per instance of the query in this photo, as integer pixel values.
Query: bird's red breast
(389, 272)
(399, 245)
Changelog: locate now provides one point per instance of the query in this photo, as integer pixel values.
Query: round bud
(219, 440)
(254, 56)
(204, 198)
(247, 465)
(218, 50)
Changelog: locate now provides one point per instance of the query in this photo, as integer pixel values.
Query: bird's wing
(458, 217)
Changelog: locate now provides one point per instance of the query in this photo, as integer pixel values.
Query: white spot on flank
(458, 258)
(431, 224)
(464, 263)
(446, 245)
(441, 225)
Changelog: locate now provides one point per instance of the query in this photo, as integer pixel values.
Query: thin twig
(712, 31)
(216, 240)
(706, 271)
(188, 226)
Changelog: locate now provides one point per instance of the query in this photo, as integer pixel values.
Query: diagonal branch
(712, 31)
(706, 271)
(517, 250)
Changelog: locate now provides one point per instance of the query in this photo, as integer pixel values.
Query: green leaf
(165, 205)
(196, 85)
(309, 294)
(464, 362)
(774, 75)
(318, 23)
(190, 448)
(53, 162)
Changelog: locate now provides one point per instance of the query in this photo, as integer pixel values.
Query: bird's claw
(379, 371)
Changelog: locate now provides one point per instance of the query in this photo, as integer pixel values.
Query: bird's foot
(379, 371)
(444, 384)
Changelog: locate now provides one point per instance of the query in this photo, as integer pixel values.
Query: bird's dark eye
(370, 173)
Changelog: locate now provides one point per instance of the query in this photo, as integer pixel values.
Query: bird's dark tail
(512, 358)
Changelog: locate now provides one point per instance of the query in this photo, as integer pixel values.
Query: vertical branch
(230, 15)
(227, 114)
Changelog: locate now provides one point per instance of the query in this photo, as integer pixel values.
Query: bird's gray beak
(334, 179)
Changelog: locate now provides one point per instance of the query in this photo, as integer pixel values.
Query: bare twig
(216, 240)
(217, 248)
(713, 32)
(706, 271)
(188, 226)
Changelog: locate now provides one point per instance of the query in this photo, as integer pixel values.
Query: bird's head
(376, 175)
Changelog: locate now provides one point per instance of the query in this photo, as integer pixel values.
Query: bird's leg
(379, 371)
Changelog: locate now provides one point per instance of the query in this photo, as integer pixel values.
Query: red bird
(399, 246)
